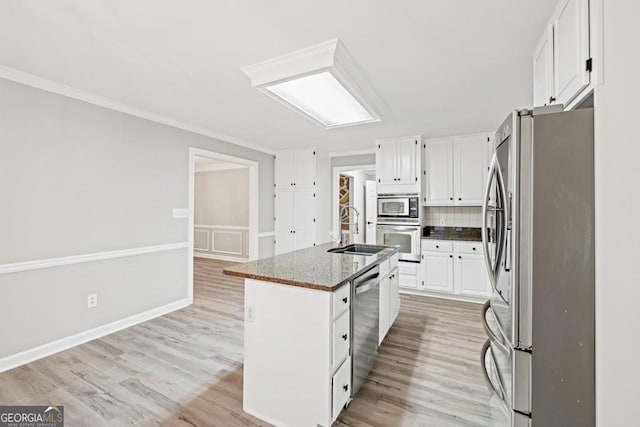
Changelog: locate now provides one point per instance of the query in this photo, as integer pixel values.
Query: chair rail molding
(98, 256)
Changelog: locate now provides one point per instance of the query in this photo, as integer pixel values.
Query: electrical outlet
(442, 221)
(92, 300)
(251, 313)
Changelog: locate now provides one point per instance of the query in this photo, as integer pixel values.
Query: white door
(407, 149)
(394, 299)
(439, 168)
(304, 211)
(438, 271)
(471, 275)
(570, 49)
(386, 162)
(543, 70)
(284, 170)
(303, 239)
(385, 285)
(304, 162)
(284, 241)
(371, 212)
(469, 170)
(284, 210)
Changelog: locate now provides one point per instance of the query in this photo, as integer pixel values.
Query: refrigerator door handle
(493, 267)
(508, 232)
(498, 391)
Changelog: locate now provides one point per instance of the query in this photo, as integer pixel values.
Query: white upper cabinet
(439, 171)
(397, 165)
(455, 170)
(386, 161)
(469, 169)
(543, 70)
(295, 169)
(570, 49)
(407, 154)
(562, 59)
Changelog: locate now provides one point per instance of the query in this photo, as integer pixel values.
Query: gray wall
(77, 179)
(222, 197)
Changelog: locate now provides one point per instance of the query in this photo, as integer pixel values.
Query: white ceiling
(442, 67)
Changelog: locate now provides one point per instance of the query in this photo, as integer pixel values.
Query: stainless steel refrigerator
(538, 233)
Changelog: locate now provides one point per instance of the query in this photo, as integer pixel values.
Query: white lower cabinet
(389, 296)
(341, 388)
(454, 268)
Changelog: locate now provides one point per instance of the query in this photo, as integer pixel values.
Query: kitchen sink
(356, 249)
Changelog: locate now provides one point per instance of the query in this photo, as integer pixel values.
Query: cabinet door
(284, 210)
(471, 275)
(543, 70)
(303, 240)
(439, 168)
(386, 162)
(304, 162)
(385, 304)
(394, 296)
(570, 49)
(469, 170)
(371, 212)
(438, 271)
(304, 211)
(407, 153)
(284, 241)
(284, 170)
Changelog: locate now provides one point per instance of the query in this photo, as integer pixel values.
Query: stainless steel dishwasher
(365, 322)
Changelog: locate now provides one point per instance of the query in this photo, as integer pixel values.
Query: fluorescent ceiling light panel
(322, 82)
(322, 97)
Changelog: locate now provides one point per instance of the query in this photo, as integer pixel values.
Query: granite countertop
(469, 234)
(313, 267)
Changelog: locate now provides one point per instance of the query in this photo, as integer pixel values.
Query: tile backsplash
(454, 216)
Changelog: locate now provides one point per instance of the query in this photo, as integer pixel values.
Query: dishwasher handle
(368, 283)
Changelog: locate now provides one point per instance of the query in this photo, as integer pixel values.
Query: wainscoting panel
(201, 240)
(219, 241)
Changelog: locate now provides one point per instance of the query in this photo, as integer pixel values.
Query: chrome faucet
(340, 223)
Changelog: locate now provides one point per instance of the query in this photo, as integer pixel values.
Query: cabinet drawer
(341, 387)
(469, 247)
(408, 268)
(384, 267)
(341, 300)
(341, 338)
(437, 246)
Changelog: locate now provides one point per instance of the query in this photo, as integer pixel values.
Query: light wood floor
(185, 368)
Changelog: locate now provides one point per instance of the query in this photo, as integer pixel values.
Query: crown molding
(352, 152)
(32, 80)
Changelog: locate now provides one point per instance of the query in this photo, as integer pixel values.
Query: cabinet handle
(450, 198)
(437, 247)
(345, 300)
(552, 99)
(450, 256)
(473, 249)
(345, 387)
(459, 257)
(459, 198)
(344, 337)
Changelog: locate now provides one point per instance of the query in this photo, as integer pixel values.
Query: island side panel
(287, 352)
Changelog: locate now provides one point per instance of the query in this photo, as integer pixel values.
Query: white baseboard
(463, 298)
(62, 344)
(220, 257)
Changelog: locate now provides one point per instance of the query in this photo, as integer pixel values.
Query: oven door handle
(398, 228)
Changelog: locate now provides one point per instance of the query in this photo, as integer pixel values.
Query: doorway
(223, 208)
(354, 186)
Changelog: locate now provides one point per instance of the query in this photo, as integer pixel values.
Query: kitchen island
(305, 326)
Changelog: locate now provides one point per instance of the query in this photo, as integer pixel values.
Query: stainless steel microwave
(399, 206)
